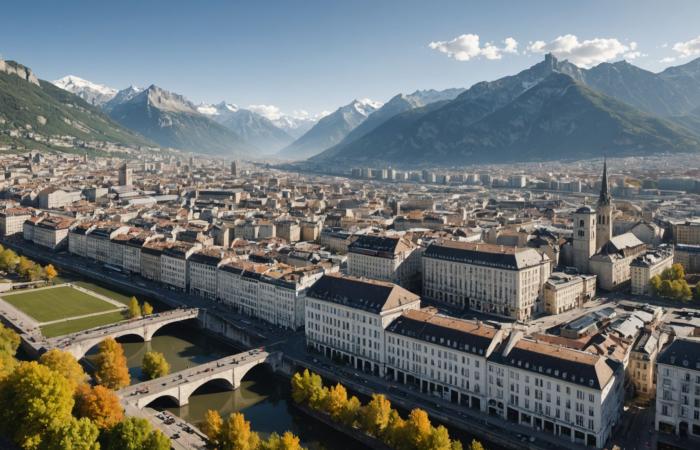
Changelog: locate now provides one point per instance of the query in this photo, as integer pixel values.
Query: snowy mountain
(173, 121)
(93, 93)
(251, 126)
(122, 96)
(296, 125)
(330, 130)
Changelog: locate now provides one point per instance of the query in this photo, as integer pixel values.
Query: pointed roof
(604, 199)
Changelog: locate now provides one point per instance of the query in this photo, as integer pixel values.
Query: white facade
(678, 389)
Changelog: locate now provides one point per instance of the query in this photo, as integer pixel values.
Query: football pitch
(56, 303)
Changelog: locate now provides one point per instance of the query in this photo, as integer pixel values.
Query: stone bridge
(78, 344)
(179, 386)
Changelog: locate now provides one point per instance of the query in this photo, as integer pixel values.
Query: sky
(309, 56)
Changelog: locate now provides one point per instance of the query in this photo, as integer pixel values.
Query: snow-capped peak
(366, 106)
(72, 83)
(94, 93)
(216, 110)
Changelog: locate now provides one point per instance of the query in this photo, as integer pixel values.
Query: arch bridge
(180, 385)
(78, 344)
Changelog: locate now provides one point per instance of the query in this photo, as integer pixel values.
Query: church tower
(584, 240)
(604, 210)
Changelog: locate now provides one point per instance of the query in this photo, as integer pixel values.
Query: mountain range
(551, 110)
(31, 105)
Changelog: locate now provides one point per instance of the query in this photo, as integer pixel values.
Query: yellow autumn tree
(65, 364)
(112, 370)
(99, 404)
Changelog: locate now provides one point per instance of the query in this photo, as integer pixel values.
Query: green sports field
(62, 302)
(84, 323)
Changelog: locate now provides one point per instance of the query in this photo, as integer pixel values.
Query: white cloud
(688, 48)
(586, 53)
(467, 46)
(271, 112)
(668, 59)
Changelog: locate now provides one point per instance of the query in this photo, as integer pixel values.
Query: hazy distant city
(429, 239)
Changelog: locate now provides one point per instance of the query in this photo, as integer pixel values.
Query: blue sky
(316, 55)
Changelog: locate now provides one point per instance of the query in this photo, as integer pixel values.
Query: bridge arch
(224, 379)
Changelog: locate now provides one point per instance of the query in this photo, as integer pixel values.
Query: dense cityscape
(502, 252)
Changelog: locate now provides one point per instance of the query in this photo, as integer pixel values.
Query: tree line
(24, 267)
(376, 418)
(236, 434)
(137, 310)
(58, 409)
(672, 284)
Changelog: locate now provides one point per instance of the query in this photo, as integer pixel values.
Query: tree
(655, 283)
(374, 416)
(696, 295)
(99, 404)
(212, 426)
(50, 272)
(8, 260)
(237, 435)
(678, 271)
(439, 439)
(351, 411)
(395, 431)
(112, 370)
(154, 365)
(666, 288)
(36, 273)
(36, 400)
(147, 309)
(65, 364)
(134, 308)
(287, 441)
(475, 445)
(24, 266)
(134, 433)
(335, 401)
(77, 434)
(308, 388)
(418, 428)
(9, 340)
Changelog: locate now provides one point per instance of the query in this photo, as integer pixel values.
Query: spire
(604, 198)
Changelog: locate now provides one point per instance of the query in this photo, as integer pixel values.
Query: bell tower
(604, 209)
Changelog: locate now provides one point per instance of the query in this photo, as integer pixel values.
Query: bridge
(78, 344)
(180, 385)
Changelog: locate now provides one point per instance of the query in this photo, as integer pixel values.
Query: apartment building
(150, 260)
(54, 198)
(678, 388)
(346, 318)
(50, 232)
(441, 355)
(98, 241)
(173, 265)
(688, 256)
(202, 271)
(288, 230)
(563, 292)
(644, 267)
(77, 238)
(12, 220)
(569, 393)
(642, 363)
(496, 279)
(687, 232)
(388, 258)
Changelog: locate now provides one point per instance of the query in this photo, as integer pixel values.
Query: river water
(263, 397)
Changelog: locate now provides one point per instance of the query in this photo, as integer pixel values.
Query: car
(176, 436)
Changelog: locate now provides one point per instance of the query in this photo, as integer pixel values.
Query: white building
(346, 318)
(572, 394)
(678, 389)
(441, 355)
(496, 279)
(388, 258)
(646, 266)
(563, 292)
(173, 265)
(12, 220)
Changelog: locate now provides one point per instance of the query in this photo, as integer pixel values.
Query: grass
(56, 303)
(121, 298)
(72, 326)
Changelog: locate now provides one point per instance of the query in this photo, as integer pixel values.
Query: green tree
(134, 308)
(77, 434)
(65, 364)
(134, 433)
(111, 370)
(154, 365)
(147, 309)
(24, 266)
(36, 273)
(655, 283)
(678, 271)
(666, 288)
(374, 416)
(35, 401)
(237, 435)
(99, 404)
(212, 426)
(395, 431)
